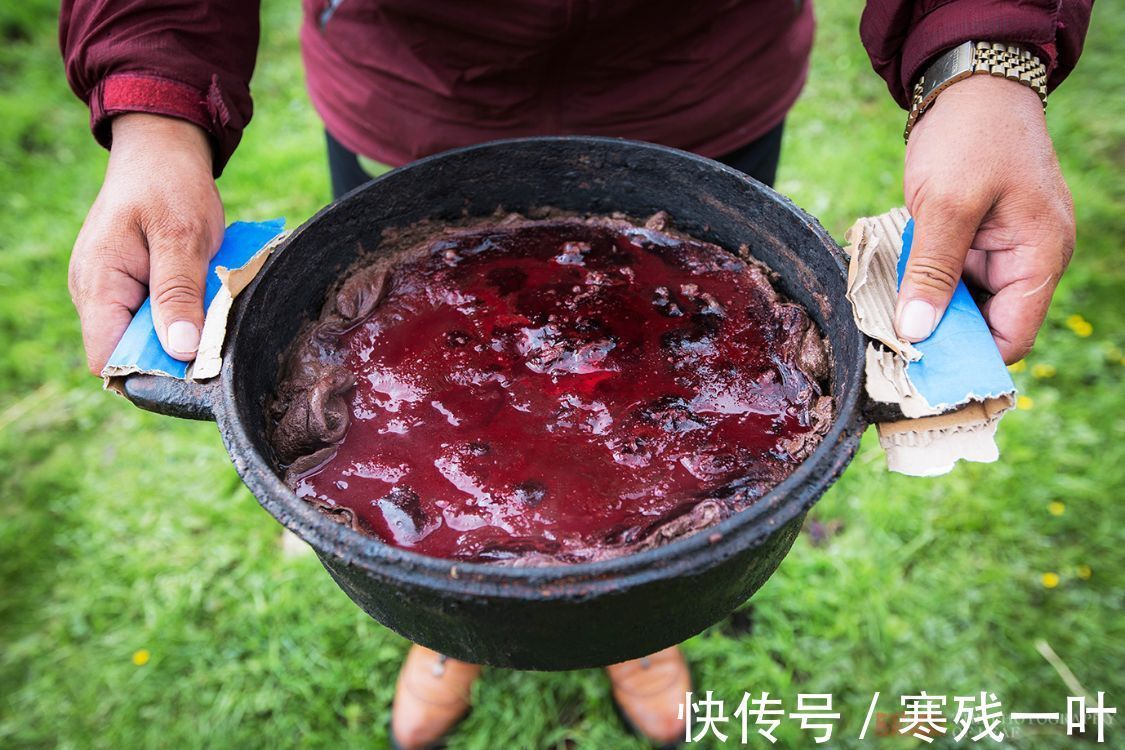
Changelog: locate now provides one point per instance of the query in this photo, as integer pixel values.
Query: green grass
(122, 531)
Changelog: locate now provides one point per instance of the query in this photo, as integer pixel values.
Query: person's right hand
(152, 231)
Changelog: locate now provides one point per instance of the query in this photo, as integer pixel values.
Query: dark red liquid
(560, 387)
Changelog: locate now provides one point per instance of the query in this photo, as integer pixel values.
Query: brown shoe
(649, 692)
(431, 696)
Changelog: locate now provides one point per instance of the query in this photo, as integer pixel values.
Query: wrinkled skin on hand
(153, 229)
(989, 202)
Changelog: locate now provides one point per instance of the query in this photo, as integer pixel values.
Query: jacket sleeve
(190, 59)
(903, 36)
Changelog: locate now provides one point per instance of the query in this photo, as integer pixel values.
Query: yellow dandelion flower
(1081, 327)
(1043, 371)
(1050, 580)
(1019, 366)
(1056, 508)
(141, 656)
(1084, 572)
(1024, 402)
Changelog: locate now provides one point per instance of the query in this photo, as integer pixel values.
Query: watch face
(956, 61)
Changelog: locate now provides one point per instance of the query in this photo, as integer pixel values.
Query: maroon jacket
(398, 79)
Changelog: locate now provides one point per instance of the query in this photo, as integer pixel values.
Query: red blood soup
(563, 390)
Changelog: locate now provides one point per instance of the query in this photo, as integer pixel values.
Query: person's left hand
(987, 196)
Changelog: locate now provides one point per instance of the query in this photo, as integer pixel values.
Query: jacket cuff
(949, 25)
(137, 92)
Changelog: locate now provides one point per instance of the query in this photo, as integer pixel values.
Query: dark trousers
(757, 159)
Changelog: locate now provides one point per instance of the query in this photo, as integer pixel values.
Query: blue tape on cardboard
(139, 349)
(960, 361)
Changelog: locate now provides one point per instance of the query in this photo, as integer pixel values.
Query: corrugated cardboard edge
(887, 383)
(930, 441)
(209, 360)
(874, 244)
(930, 446)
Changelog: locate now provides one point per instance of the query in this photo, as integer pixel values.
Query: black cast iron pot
(556, 617)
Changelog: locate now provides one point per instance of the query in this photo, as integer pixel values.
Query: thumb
(177, 278)
(942, 237)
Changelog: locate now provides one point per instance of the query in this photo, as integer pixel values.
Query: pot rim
(684, 556)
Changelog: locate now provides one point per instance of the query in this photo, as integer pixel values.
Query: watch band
(995, 58)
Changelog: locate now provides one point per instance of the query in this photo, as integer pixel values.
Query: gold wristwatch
(995, 58)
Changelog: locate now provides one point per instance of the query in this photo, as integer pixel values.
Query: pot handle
(186, 399)
(877, 412)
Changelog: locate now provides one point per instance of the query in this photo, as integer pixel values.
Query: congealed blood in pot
(556, 390)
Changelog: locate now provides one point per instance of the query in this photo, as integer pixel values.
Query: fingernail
(916, 320)
(183, 337)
